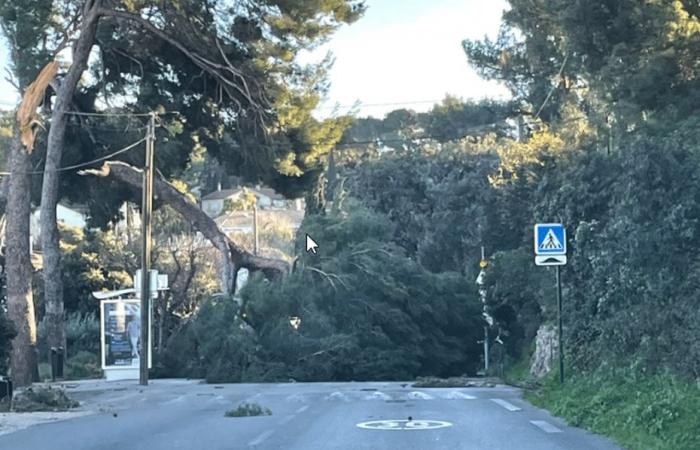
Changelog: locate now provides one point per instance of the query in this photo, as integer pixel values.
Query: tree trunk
(20, 302)
(53, 282)
(234, 256)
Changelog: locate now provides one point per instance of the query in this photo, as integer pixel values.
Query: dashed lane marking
(418, 395)
(456, 395)
(302, 409)
(506, 405)
(378, 395)
(545, 426)
(337, 395)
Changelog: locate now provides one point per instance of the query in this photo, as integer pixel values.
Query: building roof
(227, 193)
(269, 192)
(222, 194)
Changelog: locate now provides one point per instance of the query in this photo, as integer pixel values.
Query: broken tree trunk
(234, 257)
(20, 301)
(53, 281)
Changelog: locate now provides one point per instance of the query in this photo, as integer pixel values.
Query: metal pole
(482, 293)
(255, 230)
(561, 342)
(486, 350)
(146, 210)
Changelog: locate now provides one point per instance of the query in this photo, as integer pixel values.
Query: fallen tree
(234, 257)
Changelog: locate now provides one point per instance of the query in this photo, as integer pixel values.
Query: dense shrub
(637, 410)
(82, 333)
(84, 365)
(7, 333)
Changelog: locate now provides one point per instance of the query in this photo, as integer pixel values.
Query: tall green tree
(27, 28)
(237, 66)
(621, 63)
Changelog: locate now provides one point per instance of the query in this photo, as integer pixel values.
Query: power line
(551, 91)
(368, 105)
(87, 163)
(106, 114)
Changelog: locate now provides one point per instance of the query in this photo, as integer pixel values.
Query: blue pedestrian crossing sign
(550, 239)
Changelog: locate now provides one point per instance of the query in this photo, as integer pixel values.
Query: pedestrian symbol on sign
(550, 239)
(551, 242)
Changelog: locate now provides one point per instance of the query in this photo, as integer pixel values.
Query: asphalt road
(179, 414)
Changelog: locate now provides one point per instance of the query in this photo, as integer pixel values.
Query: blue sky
(410, 51)
(404, 52)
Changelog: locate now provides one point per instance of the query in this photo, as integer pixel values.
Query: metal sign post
(561, 331)
(483, 263)
(550, 250)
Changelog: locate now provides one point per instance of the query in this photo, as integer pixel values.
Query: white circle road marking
(404, 424)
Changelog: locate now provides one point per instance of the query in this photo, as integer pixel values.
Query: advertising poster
(121, 333)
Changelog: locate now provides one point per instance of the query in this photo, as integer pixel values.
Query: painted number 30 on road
(404, 424)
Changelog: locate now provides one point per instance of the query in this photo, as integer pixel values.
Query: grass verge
(659, 412)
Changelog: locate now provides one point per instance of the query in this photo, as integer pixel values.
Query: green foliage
(637, 410)
(224, 347)
(619, 62)
(84, 365)
(7, 333)
(93, 260)
(245, 202)
(367, 311)
(248, 410)
(82, 333)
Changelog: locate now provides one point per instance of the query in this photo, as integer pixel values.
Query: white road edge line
(545, 426)
(259, 440)
(302, 409)
(506, 405)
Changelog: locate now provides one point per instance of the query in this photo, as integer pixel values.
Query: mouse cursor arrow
(311, 245)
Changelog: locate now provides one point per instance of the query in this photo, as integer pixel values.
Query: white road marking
(302, 409)
(456, 395)
(337, 395)
(506, 405)
(545, 426)
(260, 439)
(179, 399)
(417, 395)
(403, 425)
(296, 398)
(378, 396)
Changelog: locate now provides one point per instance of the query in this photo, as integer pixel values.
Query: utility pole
(256, 234)
(146, 211)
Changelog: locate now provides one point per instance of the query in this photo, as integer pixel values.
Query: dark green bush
(7, 333)
(83, 365)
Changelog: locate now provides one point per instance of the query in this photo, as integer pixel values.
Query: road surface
(184, 414)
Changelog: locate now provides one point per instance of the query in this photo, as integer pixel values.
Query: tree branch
(235, 256)
(213, 68)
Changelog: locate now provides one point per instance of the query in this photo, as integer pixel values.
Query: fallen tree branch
(234, 256)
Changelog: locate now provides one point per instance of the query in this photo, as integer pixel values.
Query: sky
(400, 54)
(406, 51)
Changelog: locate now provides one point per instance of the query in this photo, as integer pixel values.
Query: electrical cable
(87, 163)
